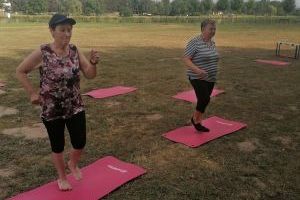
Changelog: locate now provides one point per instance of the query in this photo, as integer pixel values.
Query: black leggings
(203, 90)
(77, 129)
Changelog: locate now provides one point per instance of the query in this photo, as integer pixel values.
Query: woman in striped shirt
(201, 59)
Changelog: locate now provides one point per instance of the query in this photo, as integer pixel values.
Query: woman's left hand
(94, 56)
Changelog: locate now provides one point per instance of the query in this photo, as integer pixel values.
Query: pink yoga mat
(99, 179)
(189, 136)
(190, 95)
(273, 62)
(108, 92)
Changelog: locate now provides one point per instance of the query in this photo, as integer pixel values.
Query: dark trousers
(203, 90)
(77, 129)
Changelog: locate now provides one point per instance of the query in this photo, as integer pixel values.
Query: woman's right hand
(35, 99)
(201, 73)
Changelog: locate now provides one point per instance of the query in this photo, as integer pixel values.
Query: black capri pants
(76, 126)
(203, 90)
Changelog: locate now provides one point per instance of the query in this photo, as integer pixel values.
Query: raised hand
(94, 57)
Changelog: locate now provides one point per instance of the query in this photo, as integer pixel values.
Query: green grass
(145, 56)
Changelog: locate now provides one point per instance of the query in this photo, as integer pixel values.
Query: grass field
(260, 162)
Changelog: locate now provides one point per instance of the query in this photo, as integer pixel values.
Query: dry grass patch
(2, 92)
(286, 141)
(110, 104)
(154, 117)
(7, 111)
(34, 132)
(7, 172)
(248, 145)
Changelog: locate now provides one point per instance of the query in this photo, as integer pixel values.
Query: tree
(179, 7)
(89, 7)
(193, 7)
(207, 5)
(278, 6)
(53, 6)
(166, 7)
(73, 7)
(161, 9)
(36, 6)
(223, 5)
(146, 6)
(100, 7)
(1, 3)
(18, 5)
(236, 5)
(249, 7)
(111, 5)
(262, 7)
(125, 11)
(288, 5)
(272, 10)
(125, 8)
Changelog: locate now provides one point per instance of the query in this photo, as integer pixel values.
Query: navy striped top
(204, 56)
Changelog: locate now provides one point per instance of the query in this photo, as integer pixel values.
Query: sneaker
(199, 127)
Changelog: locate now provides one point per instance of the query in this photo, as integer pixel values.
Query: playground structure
(292, 45)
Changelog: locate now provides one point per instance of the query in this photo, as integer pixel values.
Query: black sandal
(199, 127)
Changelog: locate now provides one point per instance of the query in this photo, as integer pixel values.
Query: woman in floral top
(60, 63)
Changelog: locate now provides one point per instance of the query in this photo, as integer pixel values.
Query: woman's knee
(79, 144)
(57, 148)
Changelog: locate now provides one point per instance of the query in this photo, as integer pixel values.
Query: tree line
(153, 7)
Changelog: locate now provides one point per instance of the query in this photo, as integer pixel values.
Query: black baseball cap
(57, 19)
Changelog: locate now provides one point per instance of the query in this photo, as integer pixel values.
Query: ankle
(62, 178)
(71, 164)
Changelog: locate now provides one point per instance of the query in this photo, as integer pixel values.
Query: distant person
(201, 59)
(60, 64)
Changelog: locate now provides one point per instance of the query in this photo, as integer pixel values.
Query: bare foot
(75, 171)
(64, 185)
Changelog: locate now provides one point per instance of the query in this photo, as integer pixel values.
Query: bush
(125, 12)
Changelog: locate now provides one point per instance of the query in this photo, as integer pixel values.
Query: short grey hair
(205, 22)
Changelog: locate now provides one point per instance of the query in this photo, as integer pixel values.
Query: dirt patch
(154, 117)
(261, 185)
(165, 59)
(17, 89)
(6, 172)
(2, 84)
(210, 164)
(2, 92)
(293, 108)
(248, 195)
(276, 116)
(34, 132)
(7, 111)
(248, 145)
(110, 104)
(284, 140)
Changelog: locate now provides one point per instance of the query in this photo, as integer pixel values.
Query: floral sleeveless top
(59, 84)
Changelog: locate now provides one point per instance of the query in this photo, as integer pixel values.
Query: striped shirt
(204, 56)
